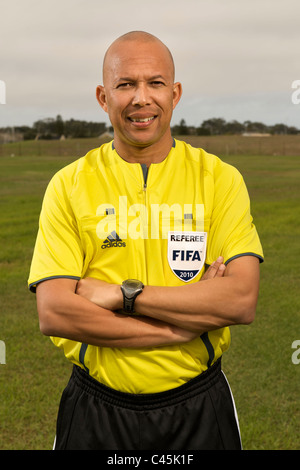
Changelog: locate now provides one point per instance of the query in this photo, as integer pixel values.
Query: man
(125, 235)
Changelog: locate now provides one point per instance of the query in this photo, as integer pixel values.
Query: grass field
(263, 378)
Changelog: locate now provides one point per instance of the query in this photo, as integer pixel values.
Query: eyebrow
(130, 79)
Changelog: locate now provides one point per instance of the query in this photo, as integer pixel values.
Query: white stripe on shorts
(234, 407)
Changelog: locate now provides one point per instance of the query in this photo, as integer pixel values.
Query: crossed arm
(89, 311)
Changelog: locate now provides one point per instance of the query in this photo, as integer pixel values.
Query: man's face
(139, 93)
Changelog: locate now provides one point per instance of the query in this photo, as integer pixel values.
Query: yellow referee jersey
(105, 218)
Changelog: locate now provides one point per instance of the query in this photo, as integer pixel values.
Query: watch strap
(128, 304)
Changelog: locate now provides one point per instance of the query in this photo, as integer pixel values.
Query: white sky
(236, 59)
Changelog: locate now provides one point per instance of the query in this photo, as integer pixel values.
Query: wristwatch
(130, 288)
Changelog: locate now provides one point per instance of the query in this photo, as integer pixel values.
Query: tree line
(51, 129)
(219, 126)
(55, 128)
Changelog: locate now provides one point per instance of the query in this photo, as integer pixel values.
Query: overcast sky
(236, 59)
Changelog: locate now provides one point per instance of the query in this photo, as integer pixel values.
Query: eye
(157, 83)
(124, 85)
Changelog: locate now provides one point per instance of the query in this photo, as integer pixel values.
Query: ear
(101, 97)
(177, 92)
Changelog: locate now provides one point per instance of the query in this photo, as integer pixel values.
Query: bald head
(139, 95)
(140, 38)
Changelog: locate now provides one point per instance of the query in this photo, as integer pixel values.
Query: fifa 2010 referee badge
(186, 253)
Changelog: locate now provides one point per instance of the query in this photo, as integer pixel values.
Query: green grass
(263, 378)
(35, 372)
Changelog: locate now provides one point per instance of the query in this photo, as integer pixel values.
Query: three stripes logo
(113, 240)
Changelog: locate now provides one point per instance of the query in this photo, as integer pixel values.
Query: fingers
(219, 267)
(216, 269)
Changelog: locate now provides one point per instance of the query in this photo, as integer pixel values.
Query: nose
(141, 95)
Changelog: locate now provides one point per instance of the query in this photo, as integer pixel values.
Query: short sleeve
(58, 249)
(232, 232)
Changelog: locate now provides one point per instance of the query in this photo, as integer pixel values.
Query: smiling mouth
(142, 120)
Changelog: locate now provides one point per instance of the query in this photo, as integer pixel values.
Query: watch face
(132, 286)
(133, 283)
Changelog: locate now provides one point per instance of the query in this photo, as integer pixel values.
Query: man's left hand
(216, 269)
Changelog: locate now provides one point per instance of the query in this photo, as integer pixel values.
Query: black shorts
(199, 415)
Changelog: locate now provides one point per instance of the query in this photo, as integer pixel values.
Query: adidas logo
(113, 240)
